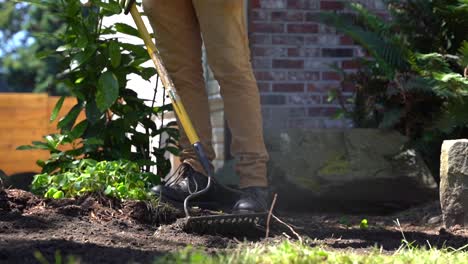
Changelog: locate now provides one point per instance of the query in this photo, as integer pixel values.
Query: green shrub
(118, 124)
(120, 179)
(415, 79)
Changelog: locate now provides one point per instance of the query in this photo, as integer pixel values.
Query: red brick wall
(291, 56)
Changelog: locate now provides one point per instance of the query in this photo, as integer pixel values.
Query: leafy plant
(415, 80)
(364, 225)
(120, 179)
(117, 125)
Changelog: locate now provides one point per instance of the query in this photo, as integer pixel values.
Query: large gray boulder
(353, 170)
(454, 182)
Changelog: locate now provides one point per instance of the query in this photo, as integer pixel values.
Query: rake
(230, 224)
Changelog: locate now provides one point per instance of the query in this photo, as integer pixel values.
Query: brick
(270, 76)
(331, 76)
(260, 39)
(328, 40)
(302, 4)
(331, 5)
(261, 63)
(304, 99)
(264, 86)
(322, 111)
(288, 87)
(267, 27)
(288, 64)
(346, 40)
(259, 15)
(312, 88)
(337, 52)
(287, 16)
(255, 3)
(325, 86)
(287, 40)
(273, 3)
(312, 16)
(297, 112)
(310, 40)
(303, 76)
(302, 28)
(272, 99)
(326, 29)
(269, 51)
(316, 64)
(304, 52)
(350, 64)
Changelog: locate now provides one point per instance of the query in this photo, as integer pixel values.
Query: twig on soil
(290, 228)
(405, 242)
(269, 216)
(236, 240)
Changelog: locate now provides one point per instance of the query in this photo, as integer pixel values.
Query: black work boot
(253, 200)
(186, 181)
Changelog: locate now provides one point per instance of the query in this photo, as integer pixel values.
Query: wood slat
(14, 118)
(25, 118)
(21, 161)
(19, 100)
(20, 134)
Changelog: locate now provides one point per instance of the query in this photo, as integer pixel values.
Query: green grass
(291, 252)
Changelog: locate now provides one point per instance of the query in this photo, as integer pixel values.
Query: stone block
(347, 170)
(454, 182)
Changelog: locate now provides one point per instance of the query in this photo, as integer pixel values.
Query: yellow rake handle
(165, 79)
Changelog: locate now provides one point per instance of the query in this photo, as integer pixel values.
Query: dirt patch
(101, 230)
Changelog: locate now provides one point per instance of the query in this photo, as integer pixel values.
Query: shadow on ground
(20, 251)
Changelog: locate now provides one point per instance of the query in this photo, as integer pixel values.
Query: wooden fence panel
(25, 118)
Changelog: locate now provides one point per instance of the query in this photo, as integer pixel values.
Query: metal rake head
(245, 225)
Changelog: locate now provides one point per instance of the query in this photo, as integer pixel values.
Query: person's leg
(222, 24)
(179, 42)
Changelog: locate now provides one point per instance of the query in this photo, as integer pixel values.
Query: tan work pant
(179, 27)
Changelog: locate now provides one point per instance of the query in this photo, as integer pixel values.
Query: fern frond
(389, 55)
(463, 51)
(454, 114)
(370, 20)
(431, 62)
(418, 84)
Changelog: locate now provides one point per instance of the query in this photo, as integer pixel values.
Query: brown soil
(99, 230)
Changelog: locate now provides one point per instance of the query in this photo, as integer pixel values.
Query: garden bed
(101, 230)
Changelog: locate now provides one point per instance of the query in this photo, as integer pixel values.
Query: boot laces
(184, 171)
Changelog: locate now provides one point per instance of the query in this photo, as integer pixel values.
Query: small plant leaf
(114, 54)
(78, 130)
(364, 224)
(58, 195)
(107, 90)
(112, 6)
(69, 120)
(57, 108)
(126, 29)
